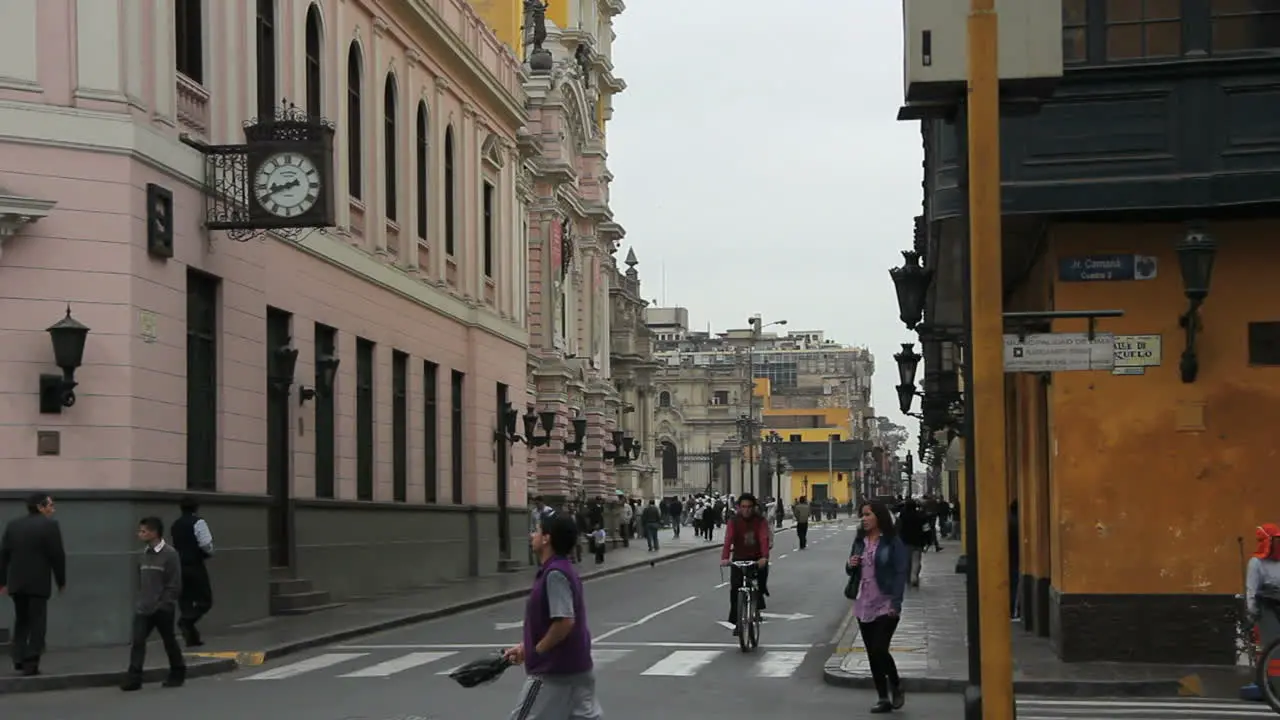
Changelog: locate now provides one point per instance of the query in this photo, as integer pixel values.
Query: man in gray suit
(31, 561)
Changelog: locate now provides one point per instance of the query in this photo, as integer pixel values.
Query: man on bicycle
(745, 538)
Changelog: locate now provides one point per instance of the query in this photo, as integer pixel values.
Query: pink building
(390, 475)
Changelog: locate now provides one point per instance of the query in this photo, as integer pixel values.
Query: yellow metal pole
(986, 396)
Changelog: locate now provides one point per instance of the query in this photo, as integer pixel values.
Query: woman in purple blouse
(879, 562)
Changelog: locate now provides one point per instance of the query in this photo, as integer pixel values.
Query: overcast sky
(759, 168)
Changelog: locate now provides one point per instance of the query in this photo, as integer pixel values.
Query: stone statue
(535, 24)
(583, 57)
(535, 21)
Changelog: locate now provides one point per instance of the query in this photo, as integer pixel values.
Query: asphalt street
(660, 650)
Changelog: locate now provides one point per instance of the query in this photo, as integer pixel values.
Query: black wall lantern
(531, 420)
(507, 421)
(1196, 252)
(625, 449)
(911, 282)
(58, 391)
(285, 361)
(579, 437)
(326, 377)
(908, 360)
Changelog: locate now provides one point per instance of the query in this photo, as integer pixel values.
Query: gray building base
(350, 549)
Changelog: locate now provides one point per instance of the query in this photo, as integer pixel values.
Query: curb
(50, 683)
(834, 674)
(205, 665)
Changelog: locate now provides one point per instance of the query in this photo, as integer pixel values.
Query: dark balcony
(1154, 113)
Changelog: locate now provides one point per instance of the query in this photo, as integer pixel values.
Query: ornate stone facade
(633, 367)
(696, 414)
(571, 238)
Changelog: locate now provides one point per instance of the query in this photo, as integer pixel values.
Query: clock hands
(278, 188)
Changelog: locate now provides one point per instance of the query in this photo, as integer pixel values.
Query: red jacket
(747, 539)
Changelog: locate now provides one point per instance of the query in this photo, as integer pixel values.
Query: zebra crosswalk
(1139, 709)
(645, 661)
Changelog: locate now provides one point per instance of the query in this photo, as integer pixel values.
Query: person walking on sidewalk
(31, 555)
(801, 511)
(159, 587)
(650, 519)
(194, 543)
(879, 562)
(556, 650)
(912, 525)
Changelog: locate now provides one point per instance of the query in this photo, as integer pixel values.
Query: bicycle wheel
(755, 621)
(1268, 679)
(746, 611)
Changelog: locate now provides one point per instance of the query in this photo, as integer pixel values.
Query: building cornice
(16, 212)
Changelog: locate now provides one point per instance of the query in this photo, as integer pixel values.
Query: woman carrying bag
(877, 568)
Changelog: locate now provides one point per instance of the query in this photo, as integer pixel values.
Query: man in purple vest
(556, 651)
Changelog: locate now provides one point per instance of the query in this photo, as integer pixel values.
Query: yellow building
(816, 441)
(578, 20)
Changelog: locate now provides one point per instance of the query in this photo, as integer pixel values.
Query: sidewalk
(932, 654)
(269, 638)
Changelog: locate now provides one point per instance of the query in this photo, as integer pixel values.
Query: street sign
(1058, 352)
(1095, 268)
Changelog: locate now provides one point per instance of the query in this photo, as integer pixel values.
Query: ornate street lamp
(1196, 252)
(547, 418)
(908, 360)
(58, 391)
(911, 281)
(326, 377)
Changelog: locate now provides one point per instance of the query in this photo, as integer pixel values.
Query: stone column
(593, 463)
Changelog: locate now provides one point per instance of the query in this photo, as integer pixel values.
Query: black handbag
(855, 575)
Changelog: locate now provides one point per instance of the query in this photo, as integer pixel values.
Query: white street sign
(508, 625)
(1058, 352)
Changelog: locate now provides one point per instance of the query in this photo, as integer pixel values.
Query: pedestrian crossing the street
(646, 661)
(1139, 709)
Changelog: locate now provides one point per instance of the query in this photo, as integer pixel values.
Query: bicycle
(749, 617)
(1267, 667)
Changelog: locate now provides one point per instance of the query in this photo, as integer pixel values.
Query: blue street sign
(1096, 268)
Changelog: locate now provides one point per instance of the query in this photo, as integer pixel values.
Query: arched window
(355, 175)
(449, 240)
(423, 146)
(314, 97)
(670, 461)
(389, 145)
(664, 399)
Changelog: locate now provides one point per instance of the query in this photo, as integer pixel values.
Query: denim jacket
(891, 567)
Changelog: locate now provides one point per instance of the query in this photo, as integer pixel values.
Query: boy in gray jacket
(159, 586)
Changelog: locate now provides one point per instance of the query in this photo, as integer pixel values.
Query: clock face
(287, 184)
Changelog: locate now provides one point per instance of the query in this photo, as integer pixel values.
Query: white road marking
(400, 664)
(614, 644)
(723, 584)
(779, 664)
(508, 625)
(645, 619)
(782, 557)
(779, 646)
(430, 646)
(682, 663)
(304, 666)
(604, 656)
(726, 625)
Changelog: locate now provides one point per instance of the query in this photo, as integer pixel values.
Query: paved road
(660, 650)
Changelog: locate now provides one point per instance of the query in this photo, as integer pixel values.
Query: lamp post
(911, 282)
(757, 327)
(1196, 253)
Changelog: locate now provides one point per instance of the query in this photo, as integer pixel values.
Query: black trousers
(197, 594)
(802, 534)
(162, 622)
(735, 583)
(30, 621)
(877, 637)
